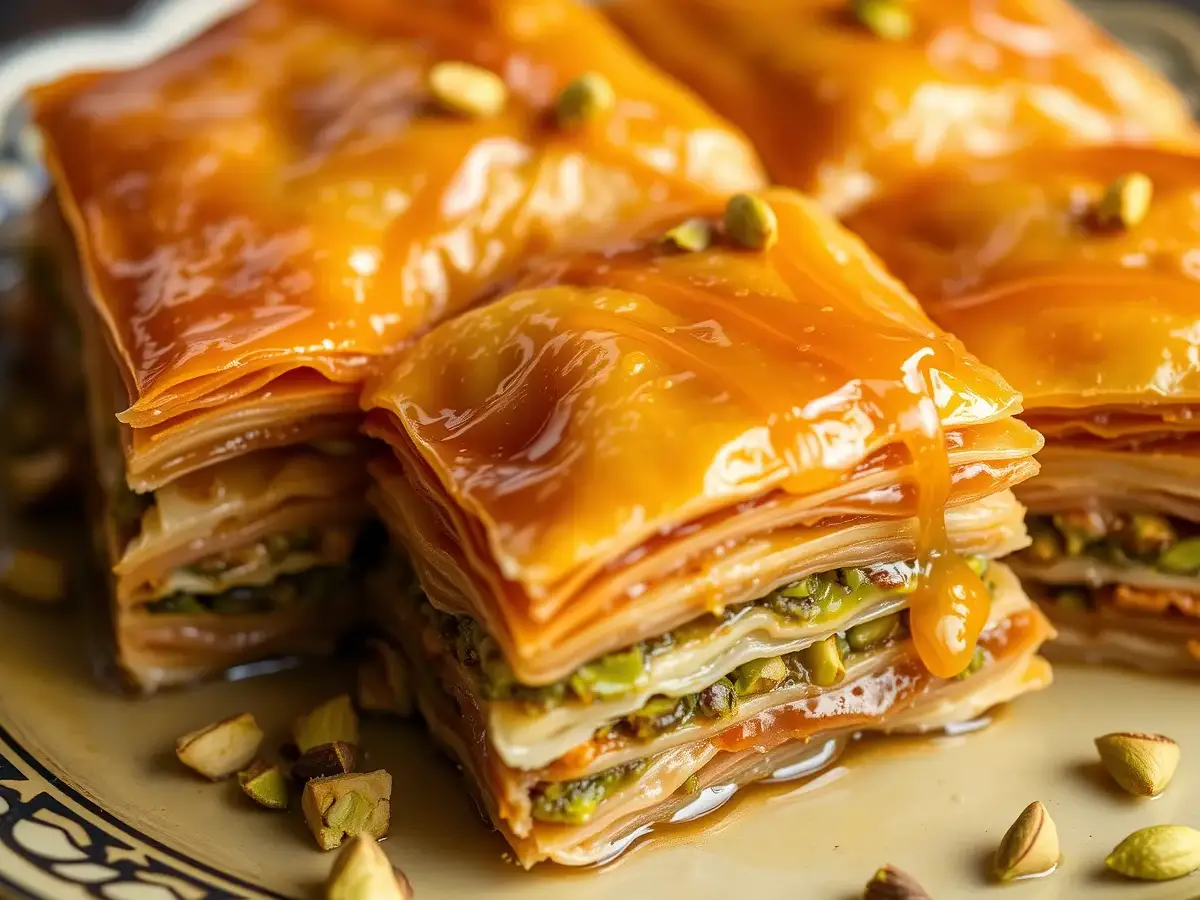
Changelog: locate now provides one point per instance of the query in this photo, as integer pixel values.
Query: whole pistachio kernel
(690, 235)
(583, 99)
(750, 222)
(1125, 201)
(1142, 764)
(1157, 853)
(1029, 847)
(868, 634)
(891, 20)
(823, 660)
(468, 90)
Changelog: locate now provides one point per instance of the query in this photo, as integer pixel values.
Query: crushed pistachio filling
(314, 586)
(272, 549)
(822, 663)
(1124, 539)
(574, 802)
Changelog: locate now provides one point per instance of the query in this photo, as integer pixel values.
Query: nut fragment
(467, 90)
(383, 684)
(750, 222)
(1158, 853)
(890, 883)
(221, 749)
(362, 871)
(889, 19)
(32, 575)
(584, 99)
(1126, 201)
(265, 785)
(346, 805)
(1142, 764)
(1030, 846)
(338, 758)
(690, 235)
(332, 721)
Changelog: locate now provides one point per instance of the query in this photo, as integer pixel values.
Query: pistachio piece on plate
(1142, 764)
(583, 99)
(1157, 853)
(1126, 201)
(383, 683)
(889, 19)
(266, 785)
(334, 720)
(467, 90)
(890, 883)
(1030, 846)
(221, 749)
(690, 235)
(362, 871)
(750, 222)
(345, 805)
(338, 758)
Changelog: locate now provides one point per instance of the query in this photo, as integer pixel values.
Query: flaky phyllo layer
(672, 513)
(259, 217)
(1098, 323)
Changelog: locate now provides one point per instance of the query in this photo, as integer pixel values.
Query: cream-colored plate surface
(936, 807)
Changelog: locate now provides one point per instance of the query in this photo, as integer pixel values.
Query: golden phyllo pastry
(682, 516)
(1075, 273)
(261, 215)
(841, 96)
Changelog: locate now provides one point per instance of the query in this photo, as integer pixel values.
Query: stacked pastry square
(685, 520)
(844, 96)
(251, 222)
(1074, 272)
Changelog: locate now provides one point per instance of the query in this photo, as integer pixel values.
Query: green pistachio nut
(824, 662)
(868, 634)
(759, 675)
(718, 700)
(610, 676)
(1182, 557)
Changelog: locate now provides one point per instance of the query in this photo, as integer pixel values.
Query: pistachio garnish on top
(690, 235)
(891, 20)
(466, 89)
(1030, 846)
(221, 749)
(1157, 853)
(583, 99)
(362, 871)
(1125, 201)
(1142, 764)
(890, 883)
(750, 222)
(334, 720)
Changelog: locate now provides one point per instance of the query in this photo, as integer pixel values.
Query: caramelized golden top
(835, 109)
(619, 395)
(284, 191)
(1008, 256)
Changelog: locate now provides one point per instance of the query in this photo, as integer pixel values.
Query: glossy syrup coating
(1080, 316)
(284, 191)
(837, 110)
(619, 395)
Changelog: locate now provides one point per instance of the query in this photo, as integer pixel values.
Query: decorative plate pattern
(56, 841)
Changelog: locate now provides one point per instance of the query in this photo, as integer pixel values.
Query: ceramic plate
(93, 803)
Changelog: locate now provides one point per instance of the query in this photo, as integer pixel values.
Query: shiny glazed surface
(615, 396)
(1006, 255)
(283, 191)
(836, 110)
